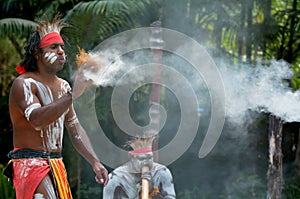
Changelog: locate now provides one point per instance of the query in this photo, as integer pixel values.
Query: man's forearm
(82, 144)
(45, 115)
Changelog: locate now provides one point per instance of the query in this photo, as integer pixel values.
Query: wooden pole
(275, 179)
(156, 44)
(297, 159)
(145, 184)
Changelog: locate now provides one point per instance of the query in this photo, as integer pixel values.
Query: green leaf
(16, 26)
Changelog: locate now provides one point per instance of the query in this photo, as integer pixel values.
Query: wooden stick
(145, 184)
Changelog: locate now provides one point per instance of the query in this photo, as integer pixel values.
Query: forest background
(240, 35)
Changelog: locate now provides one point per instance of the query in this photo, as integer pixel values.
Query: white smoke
(111, 66)
(262, 89)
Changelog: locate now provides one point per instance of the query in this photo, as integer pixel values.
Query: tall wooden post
(297, 159)
(156, 44)
(275, 179)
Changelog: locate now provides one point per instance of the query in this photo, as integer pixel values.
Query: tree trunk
(266, 25)
(290, 54)
(218, 26)
(275, 179)
(241, 33)
(249, 31)
(156, 43)
(297, 158)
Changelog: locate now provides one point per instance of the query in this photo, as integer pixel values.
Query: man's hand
(80, 84)
(101, 173)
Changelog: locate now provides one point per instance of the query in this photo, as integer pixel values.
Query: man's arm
(166, 181)
(82, 144)
(25, 96)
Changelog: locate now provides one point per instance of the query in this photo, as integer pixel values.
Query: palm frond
(105, 16)
(110, 8)
(97, 8)
(95, 20)
(16, 26)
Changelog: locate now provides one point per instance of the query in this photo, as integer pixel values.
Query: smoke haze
(238, 162)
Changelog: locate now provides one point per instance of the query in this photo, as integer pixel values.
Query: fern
(16, 26)
(6, 189)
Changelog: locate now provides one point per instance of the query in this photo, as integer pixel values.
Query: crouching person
(127, 180)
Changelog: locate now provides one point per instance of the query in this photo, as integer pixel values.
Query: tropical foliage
(6, 189)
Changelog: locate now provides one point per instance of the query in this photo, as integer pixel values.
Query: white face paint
(47, 54)
(53, 133)
(140, 160)
(51, 57)
(52, 60)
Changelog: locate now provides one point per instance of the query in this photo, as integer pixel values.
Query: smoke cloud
(261, 89)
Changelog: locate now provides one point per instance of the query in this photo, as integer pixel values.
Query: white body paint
(54, 131)
(38, 196)
(30, 108)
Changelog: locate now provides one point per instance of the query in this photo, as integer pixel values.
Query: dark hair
(29, 60)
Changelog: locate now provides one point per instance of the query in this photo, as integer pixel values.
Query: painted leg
(45, 190)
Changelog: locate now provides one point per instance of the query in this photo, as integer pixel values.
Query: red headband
(140, 151)
(50, 38)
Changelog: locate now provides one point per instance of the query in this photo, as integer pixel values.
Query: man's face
(53, 57)
(137, 161)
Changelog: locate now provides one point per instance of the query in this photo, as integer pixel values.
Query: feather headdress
(141, 145)
(49, 31)
(47, 26)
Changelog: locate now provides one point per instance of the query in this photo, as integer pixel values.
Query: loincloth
(29, 169)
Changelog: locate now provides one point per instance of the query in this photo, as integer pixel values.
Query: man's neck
(45, 77)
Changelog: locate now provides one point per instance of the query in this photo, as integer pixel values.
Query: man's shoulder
(20, 78)
(158, 166)
(20, 81)
(122, 168)
(160, 169)
(26, 78)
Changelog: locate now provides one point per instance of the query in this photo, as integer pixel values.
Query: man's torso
(48, 138)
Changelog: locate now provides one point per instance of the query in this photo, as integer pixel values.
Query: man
(40, 106)
(126, 180)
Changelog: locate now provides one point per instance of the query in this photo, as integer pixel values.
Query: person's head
(139, 160)
(43, 41)
(142, 154)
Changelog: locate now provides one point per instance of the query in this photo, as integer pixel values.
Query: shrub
(6, 189)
